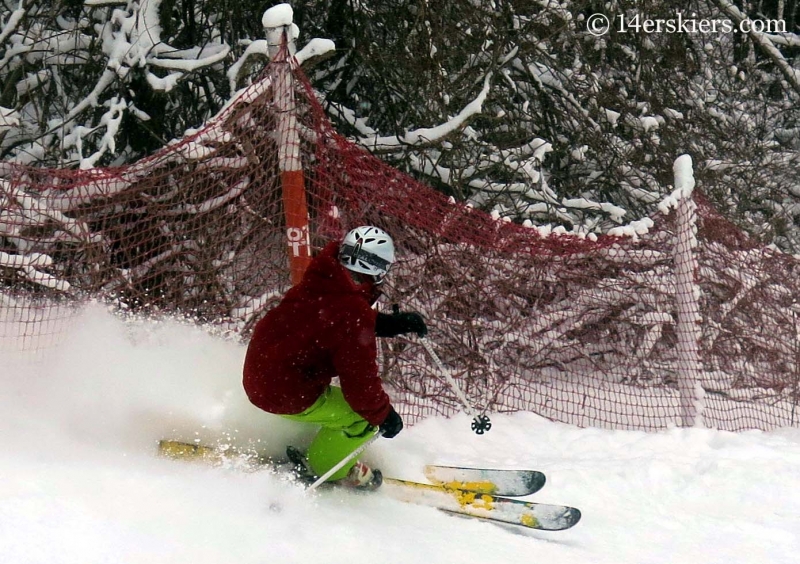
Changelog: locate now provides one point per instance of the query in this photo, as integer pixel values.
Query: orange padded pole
(294, 193)
(296, 213)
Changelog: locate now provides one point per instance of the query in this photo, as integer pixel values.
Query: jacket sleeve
(355, 361)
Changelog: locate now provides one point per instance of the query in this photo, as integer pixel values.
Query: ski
(444, 496)
(492, 508)
(218, 456)
(510, 483)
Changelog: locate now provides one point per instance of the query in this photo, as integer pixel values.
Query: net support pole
(687, 296)
(280, 39)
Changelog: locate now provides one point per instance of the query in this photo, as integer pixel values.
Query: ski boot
(360, 476)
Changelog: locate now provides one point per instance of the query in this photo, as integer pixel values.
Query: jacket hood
(326, 275)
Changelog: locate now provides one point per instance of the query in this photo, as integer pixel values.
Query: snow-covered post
(687, 295)
(796, 363)
(281, 33)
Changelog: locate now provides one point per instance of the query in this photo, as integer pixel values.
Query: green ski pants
(343, 431)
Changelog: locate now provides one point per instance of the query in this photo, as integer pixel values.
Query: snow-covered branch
(27, 267)
(765, 43)
(13, 21)
(430, 135)
(8, 119)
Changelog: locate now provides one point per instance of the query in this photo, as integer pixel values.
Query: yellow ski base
(187, 451)
(228, 456)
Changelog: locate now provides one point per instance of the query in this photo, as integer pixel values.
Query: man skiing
(325, 327)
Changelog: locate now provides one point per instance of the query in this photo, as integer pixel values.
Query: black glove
(392, 425)
(391, 325)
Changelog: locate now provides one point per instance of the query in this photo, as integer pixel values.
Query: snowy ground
(79, 482)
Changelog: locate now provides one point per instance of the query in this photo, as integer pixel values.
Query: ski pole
(480, 423)
(345, 460)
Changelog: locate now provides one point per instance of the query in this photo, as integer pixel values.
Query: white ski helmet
(367, 250)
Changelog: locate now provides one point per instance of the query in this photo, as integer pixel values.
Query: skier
(325, 327)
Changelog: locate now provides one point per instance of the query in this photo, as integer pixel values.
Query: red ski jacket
(323, 327)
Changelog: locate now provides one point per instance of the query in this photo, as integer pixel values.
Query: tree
(106, 82)
(512, 105)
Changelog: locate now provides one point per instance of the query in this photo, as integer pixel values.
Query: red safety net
(589, 331)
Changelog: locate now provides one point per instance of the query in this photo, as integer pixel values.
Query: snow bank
(80, 482)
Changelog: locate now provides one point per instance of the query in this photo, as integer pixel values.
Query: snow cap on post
(276, 20)
(684, 176)
(683, 185)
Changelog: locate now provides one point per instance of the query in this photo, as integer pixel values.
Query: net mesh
(587, 331)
